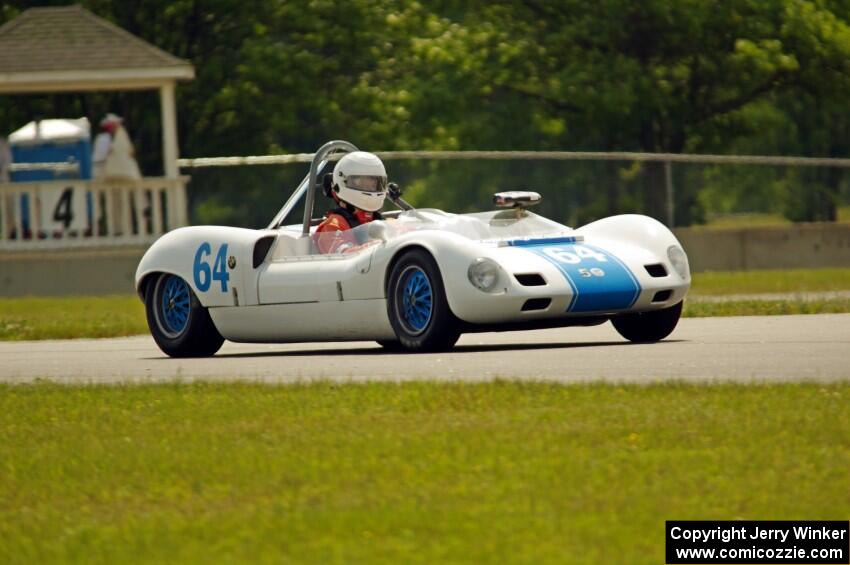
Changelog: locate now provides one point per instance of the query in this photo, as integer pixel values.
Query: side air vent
(662, 296)
(536, 304)
(261, 249)
(656, 270)
(530, 279)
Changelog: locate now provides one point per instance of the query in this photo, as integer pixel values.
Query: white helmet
(360, 179)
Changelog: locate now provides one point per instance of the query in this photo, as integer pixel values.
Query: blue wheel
(417, 300)
(179, 324)
(417, 307)
(174, 306)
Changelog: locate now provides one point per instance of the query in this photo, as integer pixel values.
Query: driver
(358, 186)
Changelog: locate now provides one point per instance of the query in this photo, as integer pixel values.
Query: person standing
(114, 157)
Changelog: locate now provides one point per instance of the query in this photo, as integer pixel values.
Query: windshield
(491, 226)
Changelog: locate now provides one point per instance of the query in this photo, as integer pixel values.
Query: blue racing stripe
(531, 241)
(600, 281)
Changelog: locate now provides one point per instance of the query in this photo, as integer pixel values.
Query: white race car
(414, 281)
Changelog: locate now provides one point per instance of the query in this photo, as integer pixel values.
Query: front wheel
(180, 326)
(417, 305)
(646, 327)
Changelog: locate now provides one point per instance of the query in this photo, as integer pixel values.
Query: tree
(605, 75)
(616, 74)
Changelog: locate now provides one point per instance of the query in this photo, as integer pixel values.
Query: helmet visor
(366, 183)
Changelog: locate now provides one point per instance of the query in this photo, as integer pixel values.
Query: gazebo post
(169, 130)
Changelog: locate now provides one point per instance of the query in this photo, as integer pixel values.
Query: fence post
(4, 217)
(19, 216)
(181, 204)
(668, 183)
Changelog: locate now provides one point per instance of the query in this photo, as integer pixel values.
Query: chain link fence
(679, 190)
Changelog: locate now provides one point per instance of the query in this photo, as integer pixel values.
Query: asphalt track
(745, 349)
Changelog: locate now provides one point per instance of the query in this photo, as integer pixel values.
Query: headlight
(484, 274)
(679, 261)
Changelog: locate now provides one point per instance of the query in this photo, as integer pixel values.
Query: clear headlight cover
(679, 261)
(483, 273)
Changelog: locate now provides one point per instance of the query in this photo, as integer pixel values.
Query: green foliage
(754, 76)
(405, 473)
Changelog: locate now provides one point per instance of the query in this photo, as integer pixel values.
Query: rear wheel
(417, 305)
(646, 327)
(179, 324)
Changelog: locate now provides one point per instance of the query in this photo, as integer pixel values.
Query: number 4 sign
(62, 209)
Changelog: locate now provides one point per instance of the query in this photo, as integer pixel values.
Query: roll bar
(321, 157)
(319, 162)
(311, 182)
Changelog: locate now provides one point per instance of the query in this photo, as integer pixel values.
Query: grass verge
(751, 219)
(694, 308)
(115, 316)
(415, 472)
(71, 317)
(770, 281)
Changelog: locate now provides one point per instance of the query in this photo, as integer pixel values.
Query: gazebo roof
(69, 48)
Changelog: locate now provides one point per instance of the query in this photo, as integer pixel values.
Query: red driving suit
(334, 234)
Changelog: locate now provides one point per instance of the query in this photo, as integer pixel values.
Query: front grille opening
(662, 296)
(530, 279)
(536, 304)
(656, 270)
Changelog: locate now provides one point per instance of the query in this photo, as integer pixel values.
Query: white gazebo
(69, 49)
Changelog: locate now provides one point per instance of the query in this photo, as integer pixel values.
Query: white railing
(75, 213)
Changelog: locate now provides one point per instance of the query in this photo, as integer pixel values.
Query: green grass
(70, 317)
(757, 219)
(417, 472)
(745, 220)
(695, 308)
(781, 281)
(114, 316)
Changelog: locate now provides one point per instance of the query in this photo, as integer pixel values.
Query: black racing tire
(390, 345)
(429, 324)
(648, 327)
(179, 324)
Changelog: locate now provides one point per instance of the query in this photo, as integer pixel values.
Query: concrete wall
(57, 273)
(798, 246)
(112, 271)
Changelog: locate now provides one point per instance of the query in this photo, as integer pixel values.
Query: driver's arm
(332, 235)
